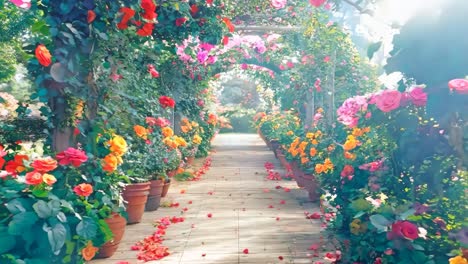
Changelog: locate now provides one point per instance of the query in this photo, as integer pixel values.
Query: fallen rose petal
(185, 209)
(282, 202)
(209, 215)
(280, 258)
(286, 189)
(278, 187)
(277, 218)
(315, 216)
(204, 254)
(314, 247)
(189, 202)
(266, 190)
(270, 206)
(246, 251)
(182, 191)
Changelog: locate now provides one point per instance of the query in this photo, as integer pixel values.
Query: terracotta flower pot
(154, 197)
(136, 196)
(275, 144)
(282, 158)
(190, 160)
(311, 185)
(117, 225)
(165, 189)
(297, 173)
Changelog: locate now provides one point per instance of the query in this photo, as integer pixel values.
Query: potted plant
(155, 165)
(136, 191)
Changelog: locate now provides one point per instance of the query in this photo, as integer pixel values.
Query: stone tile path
(237, 194)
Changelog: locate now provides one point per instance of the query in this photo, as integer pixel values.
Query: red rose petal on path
(282, 202)
(189, 202)
(204, 254)
(209, 215)
(266, 190)
(277, 218)
(185, 209)
(182, 191)
(270, 206)
(210, 193)
(314, 246)
(246, 251)
(278, 187)
(280, 258)
(286, 189)
(315, 216)
(193, 225)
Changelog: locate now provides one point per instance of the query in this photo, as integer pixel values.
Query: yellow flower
(328, 164)
(319, 168)
(79, 109)
(180, 141)
(141, 132)
(290, 133)
(49, 179)
(167, 132)
(118, 145)
(195, 124)
(197, 139)
(458, 260)
(170, 143)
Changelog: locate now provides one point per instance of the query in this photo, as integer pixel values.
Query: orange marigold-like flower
(313, 152)
(349, 155)
(319, 168)
(350, 144)
(89, 251)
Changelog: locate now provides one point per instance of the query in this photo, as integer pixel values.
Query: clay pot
(165, 189)
(190, 160)
(154, 197)
(116, 224)
(282, 158)
(275, 144)
(297, 173)
(136, 196)
(311, 185)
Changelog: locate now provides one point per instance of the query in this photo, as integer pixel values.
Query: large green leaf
(380, 222)
(42, 209)
(22, 222)
(87, 228)
(7, 241)
(57, 236)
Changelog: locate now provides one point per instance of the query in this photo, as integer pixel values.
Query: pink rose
(317, 3)
(418, 96)
(388, 100)
(459, 85)
(72, 156)
(278, 4)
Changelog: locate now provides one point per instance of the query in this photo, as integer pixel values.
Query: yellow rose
(458, 260)
(197, 139)
(49, 179)
(118, 145)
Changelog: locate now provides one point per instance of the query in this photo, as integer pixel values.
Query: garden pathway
(239, 198)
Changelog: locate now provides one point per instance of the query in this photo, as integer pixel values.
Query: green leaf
(87, 228)
(42, 209)
(380, 222)
(19, 205)
(7, 242)
(22, 222)
(57, 236)
(373, 48)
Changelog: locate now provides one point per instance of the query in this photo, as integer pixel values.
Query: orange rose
(141, 132)
(319, 168)
(89, 251)
(44, 164)
(49, 179)
(110, 163)
(43, 55)
(167, 132)
(83, 189)
(349, 155)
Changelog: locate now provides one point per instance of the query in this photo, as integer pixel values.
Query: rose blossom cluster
(386, 101)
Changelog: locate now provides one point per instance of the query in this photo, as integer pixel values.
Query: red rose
(229, 24)
(91, 16)
(347, 172)
(418, 96)
(225, 40)
(128, 13)
(150, 8)
(180, 21)
(33, 178)
(209, 2)
(403, 229)
(83, 189)
(388, 100)
(160, 121)
(459, 85)
(146, 30)
(16, 165)
(166, 101)
(44, 164)
(194, 9)
(72, 156)
(43, 55)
